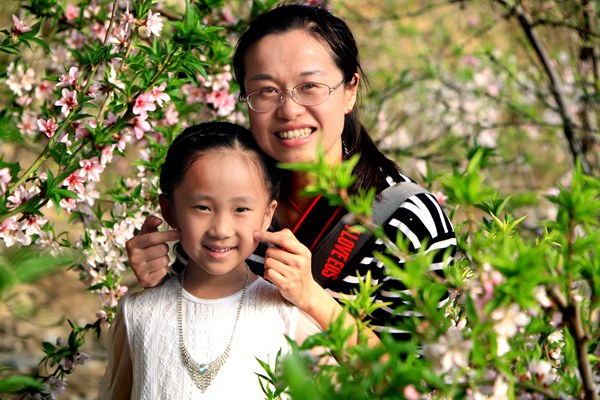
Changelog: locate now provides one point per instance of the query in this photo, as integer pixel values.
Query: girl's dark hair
(373, 167)
(198, 140)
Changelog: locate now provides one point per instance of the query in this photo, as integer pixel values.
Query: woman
(299, 71)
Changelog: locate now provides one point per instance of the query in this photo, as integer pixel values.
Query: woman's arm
(288, 266)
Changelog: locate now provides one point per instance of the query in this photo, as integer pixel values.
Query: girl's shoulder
(266, 292)
(163, 292)
(267, 297)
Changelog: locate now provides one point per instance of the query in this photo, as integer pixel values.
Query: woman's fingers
(283, 239)
(148, 252)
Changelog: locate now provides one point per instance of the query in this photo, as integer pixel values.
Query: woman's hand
(288, 266)
(148, 252)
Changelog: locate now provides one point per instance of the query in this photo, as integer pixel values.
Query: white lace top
(146, 361)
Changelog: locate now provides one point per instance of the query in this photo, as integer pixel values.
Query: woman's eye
(267, 92)
(307, 87)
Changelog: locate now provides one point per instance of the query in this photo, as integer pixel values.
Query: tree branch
(527, 25)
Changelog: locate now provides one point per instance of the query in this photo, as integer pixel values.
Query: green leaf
(13, 384)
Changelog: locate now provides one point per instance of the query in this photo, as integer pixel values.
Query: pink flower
(194, 94)
(411, 393)
(227, 17)
(140, 126)
(143, 104)
(93, 90)
(171, 115)
(451, 351)
(32, 225)
(223, 101)
(101, 314)
(44, 90)
(99, 30)
(4, 178)
(493, 90)
(64, 138)
(48, 127)
(19, 81)
(222, 81)
(120, 36)
(75, 40)
(91, 169)
(8, 229)
(19, 26)
(81, 130)
(68, 101)
(71, 12)
(153, 24)
(107, 154)
(159, 95)
(441, 198)
(24, 101)
(27, 124)
(75, 182)
(68, 204)
(57, 386)
(69, 79)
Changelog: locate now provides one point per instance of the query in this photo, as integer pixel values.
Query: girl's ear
(269, 213)
(167, 210)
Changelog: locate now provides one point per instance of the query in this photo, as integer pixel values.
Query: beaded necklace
(203, 373)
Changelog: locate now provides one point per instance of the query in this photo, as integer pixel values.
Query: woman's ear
(167, 211)
(352, 92)
(269, 213)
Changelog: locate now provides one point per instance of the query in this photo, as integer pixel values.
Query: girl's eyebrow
(204, 197)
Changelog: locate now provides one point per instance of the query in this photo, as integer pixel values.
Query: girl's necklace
(203, 373)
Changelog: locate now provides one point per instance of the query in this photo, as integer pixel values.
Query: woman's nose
(288, 108)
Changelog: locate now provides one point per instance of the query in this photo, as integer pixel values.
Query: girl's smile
(220, 203)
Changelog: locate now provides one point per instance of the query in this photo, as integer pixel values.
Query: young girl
(200, 333)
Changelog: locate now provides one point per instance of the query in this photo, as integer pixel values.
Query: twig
(527, 25)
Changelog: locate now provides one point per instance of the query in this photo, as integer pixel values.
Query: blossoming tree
(91, 83)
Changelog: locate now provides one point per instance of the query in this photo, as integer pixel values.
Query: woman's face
(292, 132)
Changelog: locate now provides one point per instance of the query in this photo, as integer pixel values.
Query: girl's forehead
(232, 160)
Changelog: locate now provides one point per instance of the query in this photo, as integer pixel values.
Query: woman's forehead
(293, 53)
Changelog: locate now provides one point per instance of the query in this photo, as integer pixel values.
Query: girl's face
(221, 202)
(292, 132)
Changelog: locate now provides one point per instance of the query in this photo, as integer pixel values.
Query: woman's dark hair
(373, 167)
(197, 140)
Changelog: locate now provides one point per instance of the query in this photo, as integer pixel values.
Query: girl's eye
(242, 209)
(201, 208)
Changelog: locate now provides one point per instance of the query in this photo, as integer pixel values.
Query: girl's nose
(221, 227)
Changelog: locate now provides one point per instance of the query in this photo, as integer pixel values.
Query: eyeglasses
(306, 94)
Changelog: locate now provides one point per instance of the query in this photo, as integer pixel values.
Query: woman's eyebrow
(263, 77)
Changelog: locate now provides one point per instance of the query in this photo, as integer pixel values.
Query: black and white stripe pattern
(421, 221)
